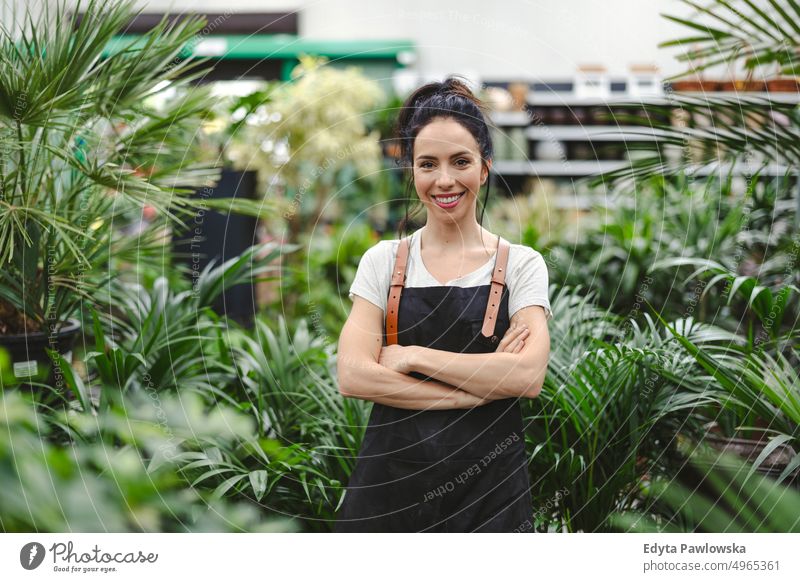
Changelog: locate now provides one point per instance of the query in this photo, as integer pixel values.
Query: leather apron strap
(399, 278)
(496, 291)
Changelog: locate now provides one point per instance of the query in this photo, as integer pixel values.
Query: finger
(517, 340)
(502, 345)
(506, 341)
(508, 337)
(519, 347)
(513, 345)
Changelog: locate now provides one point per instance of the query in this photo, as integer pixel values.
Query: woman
(444, 447)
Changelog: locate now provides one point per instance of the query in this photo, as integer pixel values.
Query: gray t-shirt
(526, 278)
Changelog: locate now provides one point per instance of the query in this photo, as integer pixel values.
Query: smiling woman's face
(448, 172)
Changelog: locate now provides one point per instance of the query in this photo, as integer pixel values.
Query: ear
(485, 170)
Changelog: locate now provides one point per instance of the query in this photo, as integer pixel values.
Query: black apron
(461, 470)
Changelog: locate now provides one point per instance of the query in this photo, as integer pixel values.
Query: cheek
(423, 181)
(474, 179)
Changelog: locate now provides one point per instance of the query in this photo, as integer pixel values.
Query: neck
(452, 237)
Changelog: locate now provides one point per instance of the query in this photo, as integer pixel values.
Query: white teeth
(449, 199)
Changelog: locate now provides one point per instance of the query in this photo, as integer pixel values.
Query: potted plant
(746, 84)
(698, 83)
(311, 135)
(769, 460)
(81, 151)
(760, 388)
(783, 85)
(714, 492)
(780, 84)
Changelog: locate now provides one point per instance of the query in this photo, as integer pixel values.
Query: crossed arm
(369, 371)
(499, 374)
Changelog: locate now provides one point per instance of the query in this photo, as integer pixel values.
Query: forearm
(489, 375)
(377, 383)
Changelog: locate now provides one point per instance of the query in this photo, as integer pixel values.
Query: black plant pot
(29, 359)
(219, 236)
(696, 477)
(749, 450)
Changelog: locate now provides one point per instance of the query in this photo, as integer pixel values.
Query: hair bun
(458, 85)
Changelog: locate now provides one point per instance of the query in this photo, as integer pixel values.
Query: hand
(514, 339)
(397, 358)
(464, 399)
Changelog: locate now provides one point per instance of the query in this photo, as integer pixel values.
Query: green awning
(282, 46)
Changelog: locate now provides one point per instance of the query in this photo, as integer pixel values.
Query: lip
(451, 204)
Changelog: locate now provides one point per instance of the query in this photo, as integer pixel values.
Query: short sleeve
(529, 282)
(373, 275)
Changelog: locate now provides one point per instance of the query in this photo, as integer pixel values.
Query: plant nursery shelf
(591, 133)
(576, 124)
(556, 98)
(554, 168)
(581, 168)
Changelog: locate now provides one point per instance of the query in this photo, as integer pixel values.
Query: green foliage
(7, 377)
(725, 32)
(169, 339)
(308, 133)
(316, 285)
(734, 501)
(243, 415)
(81, 147)
(768, 306)
(630, 255)
(756, 385)
(608, 410)
(289, 383)
(98, 481)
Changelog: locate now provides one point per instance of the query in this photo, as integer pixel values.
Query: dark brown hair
(452, 99)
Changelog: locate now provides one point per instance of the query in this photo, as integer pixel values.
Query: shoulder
(380, 257)
(385, 249)
(381, 249)
(522, 257)
(528, 280)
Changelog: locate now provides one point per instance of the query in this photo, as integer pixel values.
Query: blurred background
(185, 198)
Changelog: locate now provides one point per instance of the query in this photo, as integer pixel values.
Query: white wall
(12, 13)
(527, 39)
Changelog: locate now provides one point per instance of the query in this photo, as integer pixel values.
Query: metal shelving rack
(535, 130)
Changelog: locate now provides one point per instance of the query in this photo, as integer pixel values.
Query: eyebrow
(461, 153)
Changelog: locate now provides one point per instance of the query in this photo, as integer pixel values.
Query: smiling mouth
(448, 200)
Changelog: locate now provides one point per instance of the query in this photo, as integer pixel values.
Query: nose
(444, 179)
